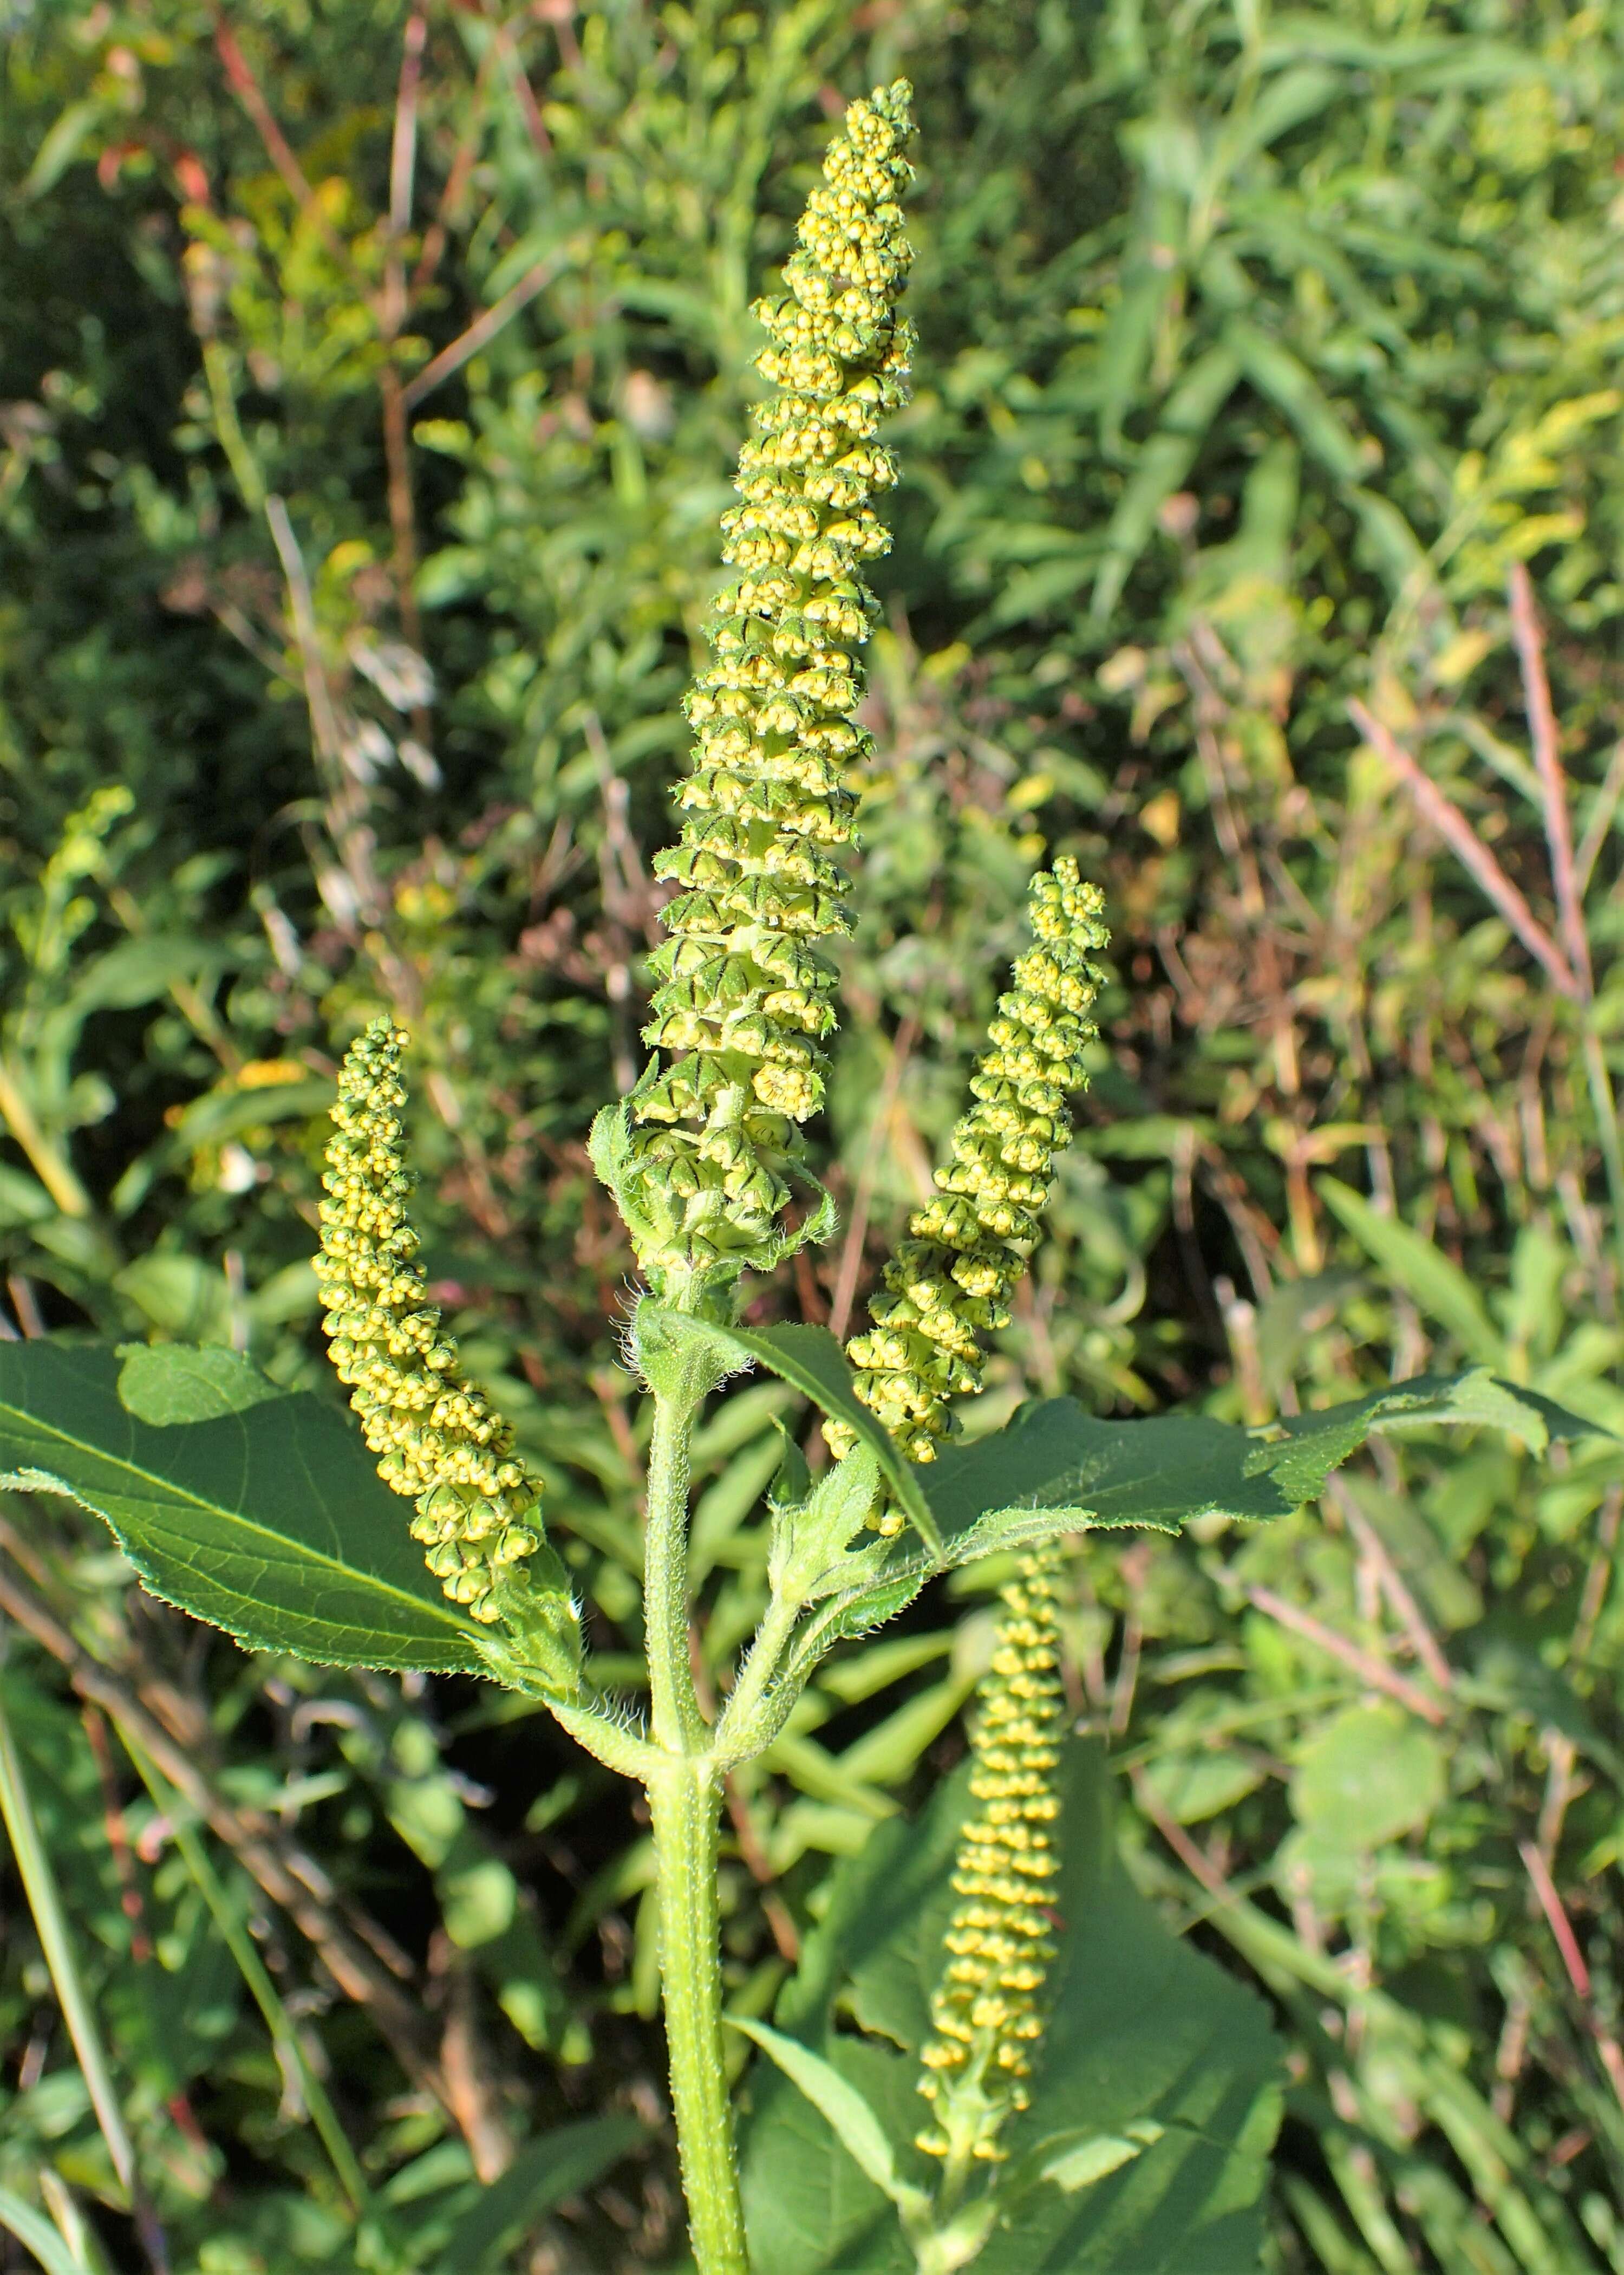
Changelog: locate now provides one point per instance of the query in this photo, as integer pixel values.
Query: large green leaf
(261, 1511)
(1056, 1468)
(1153, 2109)
(1056, 1459)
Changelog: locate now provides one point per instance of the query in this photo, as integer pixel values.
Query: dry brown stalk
(1368, 1668)
(485, 327)
(1394, 1586)
(1553, 781)
(1468, 849)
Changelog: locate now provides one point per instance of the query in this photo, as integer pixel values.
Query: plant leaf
(540, 2176)
(1056, 1468)
(859, 2131)
(1438, 1285)
(267, 1520)
(166, 1383)
(1160, 467)
(1306, 1447)
(1148, 2044)
(35, 2233)
(811, 1360)
(810, 1538)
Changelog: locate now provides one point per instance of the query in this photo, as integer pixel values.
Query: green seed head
(949, 1283)
(988, 2008)
(744, 1007)
(438, 1439)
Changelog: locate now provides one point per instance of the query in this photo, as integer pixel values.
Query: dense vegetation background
(369, 385)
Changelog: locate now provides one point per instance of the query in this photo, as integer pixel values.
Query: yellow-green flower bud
(949, 1282)
(986, 2009)
(439, 1440)
(744, 1006)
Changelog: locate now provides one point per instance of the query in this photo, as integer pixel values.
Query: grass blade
(44, 1900)
(278, 2021)
(35, 2233)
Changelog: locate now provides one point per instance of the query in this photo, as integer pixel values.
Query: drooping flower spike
(745, 1005)
(440, 1441)
(988, 2008)
(949, 1283)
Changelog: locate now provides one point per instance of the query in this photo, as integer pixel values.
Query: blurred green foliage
(368, 387)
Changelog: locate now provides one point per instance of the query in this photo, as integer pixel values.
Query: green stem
(678, 1726)
(684, 1802)
(738, 1734)
(323, 2116)
(48, 1164)
(45, 1902)
(223, 401)
(1604, 1106)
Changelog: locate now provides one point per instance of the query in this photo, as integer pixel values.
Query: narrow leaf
(36, 2233)
(841, 2106)
(1163, 464)
(542, 2175)
(1277, 374)
(1438, 1285)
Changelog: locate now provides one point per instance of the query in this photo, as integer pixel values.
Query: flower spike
(986, 2009)
(440, 1441)
(948, 1283)
(745, 1005)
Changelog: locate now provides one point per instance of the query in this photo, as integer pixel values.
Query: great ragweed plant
(259, 1509)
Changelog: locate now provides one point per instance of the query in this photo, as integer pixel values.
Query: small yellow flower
(948, 1283)
(986, 2008)
(744, 1007)
(439, 1440)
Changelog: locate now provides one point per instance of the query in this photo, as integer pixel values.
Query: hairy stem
(678, 1726)
(739, 1735)
(685, 1804)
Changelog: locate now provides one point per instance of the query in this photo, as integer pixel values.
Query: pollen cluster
(948, 1283)
(986, 2008)
(439, 1440)
(744, 1006)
